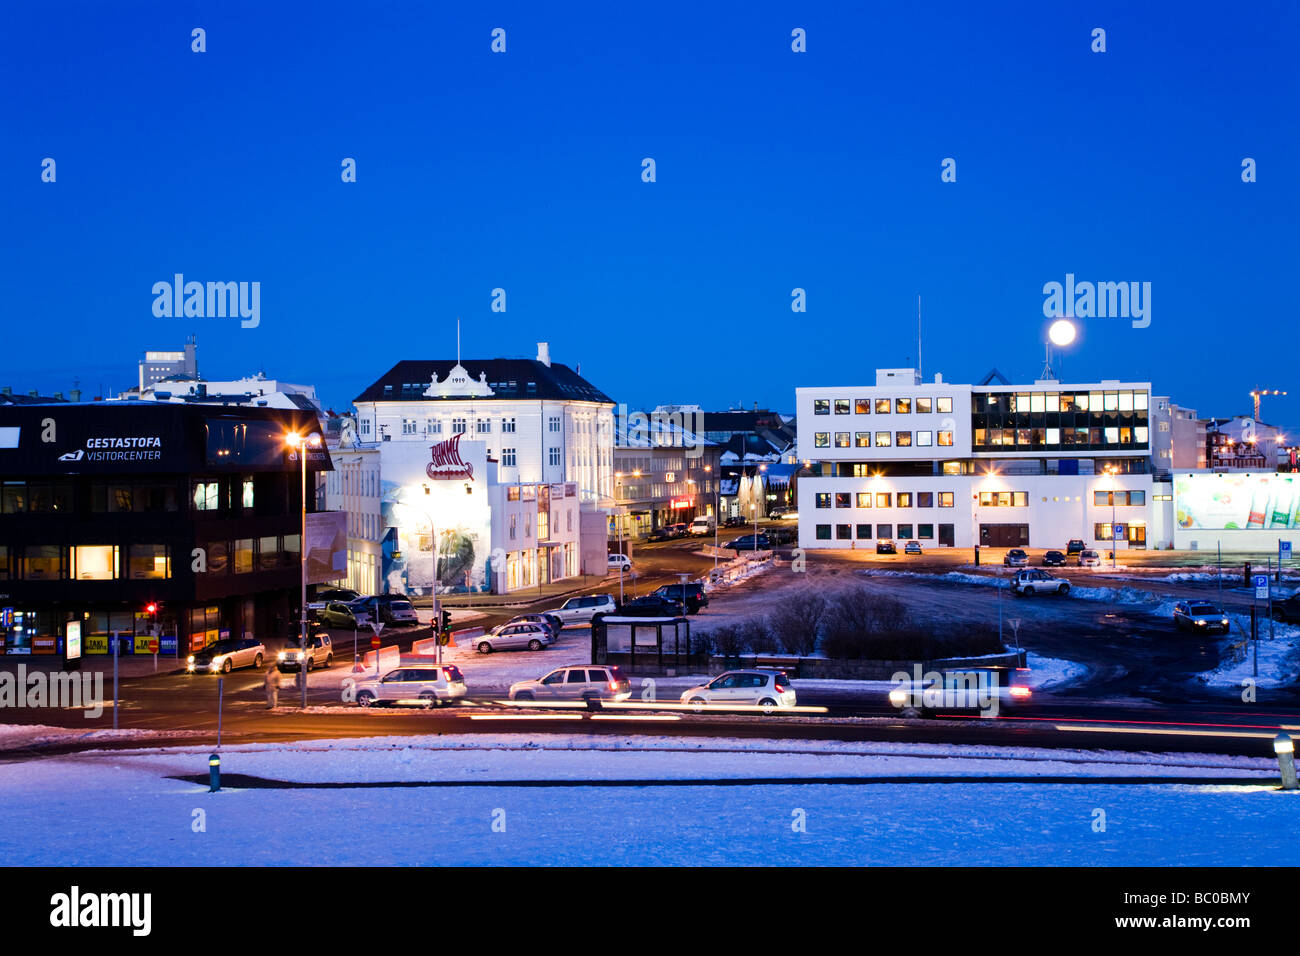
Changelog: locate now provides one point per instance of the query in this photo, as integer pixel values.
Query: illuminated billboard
(435, 486)
(327, 546)
(1236, 502)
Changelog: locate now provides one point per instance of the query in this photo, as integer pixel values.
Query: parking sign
(1261, 585)
(1284, 550)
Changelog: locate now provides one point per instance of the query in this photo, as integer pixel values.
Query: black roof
(508, 378)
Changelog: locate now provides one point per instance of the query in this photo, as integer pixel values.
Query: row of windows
(923, 439)
(1004, 499)
(884, 499)
(883, 406)
(1121, 498)
(1125, 400)
(1113, 435)
(19, 497)
(85, 562)
(845, 532)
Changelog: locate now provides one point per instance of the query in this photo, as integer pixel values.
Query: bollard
(1285, 751)
(214, 773)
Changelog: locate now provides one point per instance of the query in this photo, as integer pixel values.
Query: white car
(580, 610)
(1089, 559)
(224, 656)
(603, 682)
(620, 562)
(516, 636)
(1035, 581)
(980, 691)
(702, 526)
(427, 685)
(767, 689)
(1200, 616)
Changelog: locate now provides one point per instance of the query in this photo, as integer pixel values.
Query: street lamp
(1112, 471)
(717, 508)
(301, 443)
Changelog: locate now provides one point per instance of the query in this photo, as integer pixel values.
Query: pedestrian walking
(272, 687)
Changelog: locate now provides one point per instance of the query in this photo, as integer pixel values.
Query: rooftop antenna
(918, 337)
(458, 340)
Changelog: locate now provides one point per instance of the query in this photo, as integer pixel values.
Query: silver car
(589, 682)
(767, 689)
(513, 637)
(1200, 616)
(427, 685)
(224, 656)
(580, 610)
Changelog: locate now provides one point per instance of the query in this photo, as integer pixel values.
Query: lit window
(883, 439)
(943, 406)
(862, 406)
(903, 439)
(863, 439)
(945, 438)
(864, 500)
(924, 406)
(882, 499)
(821, 406)
(925, 439)
(841, 406)
(822, 440)
(842, 439)
(882, 406)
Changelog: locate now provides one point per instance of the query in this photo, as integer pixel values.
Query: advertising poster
(1236, 502)
(327, 546)
(438, 486)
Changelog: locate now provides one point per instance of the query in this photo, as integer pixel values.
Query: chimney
(938, 379)
(756, 406)
(544, 353)
(76, 394)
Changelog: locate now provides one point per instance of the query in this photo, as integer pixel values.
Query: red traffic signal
(151, 608)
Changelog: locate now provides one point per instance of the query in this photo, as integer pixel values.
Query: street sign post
(1260, 582)
(377, 627)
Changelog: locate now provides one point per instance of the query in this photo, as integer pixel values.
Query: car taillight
(1017, 691)
(781, 688)
(613, 685)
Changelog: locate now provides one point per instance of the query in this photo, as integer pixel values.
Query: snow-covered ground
(664, 802)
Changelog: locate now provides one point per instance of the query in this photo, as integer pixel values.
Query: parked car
(1200, 616)
(651, 605)
(514, 637)
(1074, 547)
(1015, 558)
(580, 610)
(355, 615)
(782, 534)
(735, 521)
(759, 688)
(604, 682)
(746, 542)
(224, 656)
(660, 534)
(1053, 559)
(1287, 611)
(427, 685)
(912, 547)
(679, 530)
(620, 562)
(392, 610)
(692, 592)
(702, 526)
(886, 546)
(547, 620)
(970, 692)
(784, 514)
(1089, 559)
(1033, 581)
(345, 595)
(319, 653)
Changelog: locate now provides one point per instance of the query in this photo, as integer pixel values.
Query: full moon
(1061, 332)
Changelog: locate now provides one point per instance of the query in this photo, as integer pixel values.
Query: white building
(159, 364)
(507, 461)
(954, 465)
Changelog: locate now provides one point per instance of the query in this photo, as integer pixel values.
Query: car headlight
(898, 697)
(1200, 623)
(190, 659)
(280, 656)
(1224, 622)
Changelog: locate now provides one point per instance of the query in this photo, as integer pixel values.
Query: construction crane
(1257, 392)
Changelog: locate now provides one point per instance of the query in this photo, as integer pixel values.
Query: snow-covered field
(140, 816)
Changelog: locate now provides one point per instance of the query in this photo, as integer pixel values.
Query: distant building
(7, 397)
(1241, 444)
(663, 474)
(254, 390)
(162, 364)
(1177, 437)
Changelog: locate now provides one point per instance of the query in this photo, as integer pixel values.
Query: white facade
(956, 465)
(354, 487)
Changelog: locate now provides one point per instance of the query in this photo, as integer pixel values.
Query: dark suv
(1074, 547)
(694, 595)
(1288, 611)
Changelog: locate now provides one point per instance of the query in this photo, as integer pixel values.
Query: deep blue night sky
(775, 170)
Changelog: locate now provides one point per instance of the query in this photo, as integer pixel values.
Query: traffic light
(444, 621)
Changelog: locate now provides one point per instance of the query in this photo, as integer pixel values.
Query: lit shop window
(94, 562)
(207, 496)
(148, 561)
(41, 562)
